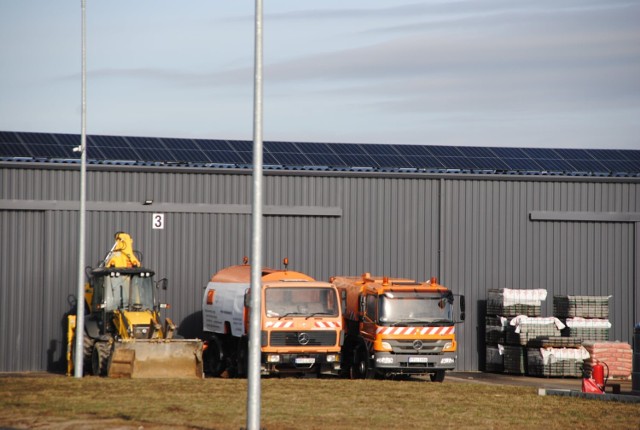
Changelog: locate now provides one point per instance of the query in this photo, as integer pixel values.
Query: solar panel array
(320, 156)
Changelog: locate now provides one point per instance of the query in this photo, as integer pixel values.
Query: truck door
(368, 326)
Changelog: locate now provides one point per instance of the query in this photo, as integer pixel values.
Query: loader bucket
(156, 358)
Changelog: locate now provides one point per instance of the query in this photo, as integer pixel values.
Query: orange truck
(301, 323)
(397, 327)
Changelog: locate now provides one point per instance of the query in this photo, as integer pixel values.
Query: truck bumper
(273, 363)
(414, 364)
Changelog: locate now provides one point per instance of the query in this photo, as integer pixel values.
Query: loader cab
(122, 289)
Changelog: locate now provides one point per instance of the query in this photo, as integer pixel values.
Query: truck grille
(407, 346)
(303, 338)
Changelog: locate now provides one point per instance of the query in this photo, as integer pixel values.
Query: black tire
(360, 366)
(438, 376)
(100, 358)
(242, 358)
(87, 350)
(213, 359)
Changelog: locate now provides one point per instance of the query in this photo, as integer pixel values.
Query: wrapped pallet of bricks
(495, 329)
(581, 306)
(556, 357)
(515, 359)
(494, 359)
(617, 356)
(587, 328)
(508, 302)
(522, 329)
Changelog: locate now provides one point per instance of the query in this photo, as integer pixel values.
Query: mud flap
(157, 358)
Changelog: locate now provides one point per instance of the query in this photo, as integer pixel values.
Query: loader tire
(100, 358)
(213, 359)
(87, 350)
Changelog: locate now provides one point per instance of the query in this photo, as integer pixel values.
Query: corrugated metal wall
(473, 233)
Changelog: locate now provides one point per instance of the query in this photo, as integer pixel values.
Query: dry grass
(67, 403)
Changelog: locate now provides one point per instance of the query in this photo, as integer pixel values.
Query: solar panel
(347, 148)
(8, 137)
(145, 142)
(461, 163)
(541, 153)
(190, 156)
(605, 154)
(39, 138)
(522, 164)
(174, 144)
(573, 154)
(281, 147)
(51, 151)
(444, 151)
(396, 161)
(554, 165)
(314, 148)
(13, 150)
(379, 149)
(509, 152)
(474, 151)
(241, 145)
(329, 160)
(629, 155)
(108, 142)
(622, 166)
(587, 166)
(412, 150)
(291, 159)
(357, 160)
(424, 162)
(490, 163)
(226, 157)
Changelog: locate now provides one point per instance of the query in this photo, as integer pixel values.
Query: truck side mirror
(462, 308)
(363, 304)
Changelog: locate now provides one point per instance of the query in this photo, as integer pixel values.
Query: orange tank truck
(301, 323)
(397, 326)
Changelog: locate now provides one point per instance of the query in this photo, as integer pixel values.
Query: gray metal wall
(575, 236)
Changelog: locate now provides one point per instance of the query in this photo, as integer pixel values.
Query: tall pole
(79, 350)
(253, 375)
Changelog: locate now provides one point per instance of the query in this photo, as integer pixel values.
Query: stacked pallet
(586, 317)
(556, 357)
(503, 307)
(618, 357)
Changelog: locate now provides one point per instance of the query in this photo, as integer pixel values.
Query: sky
(546, 73)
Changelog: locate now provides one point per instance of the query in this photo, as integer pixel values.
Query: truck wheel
(87, 349)
(438, 376)
(213, 358)
(100, 358)
(243, 358)
(360, 365)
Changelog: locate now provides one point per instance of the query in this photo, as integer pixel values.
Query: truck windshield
(128, 292)
(398, 309)
(301, 301)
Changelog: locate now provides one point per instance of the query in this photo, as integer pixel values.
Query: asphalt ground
(548, 383)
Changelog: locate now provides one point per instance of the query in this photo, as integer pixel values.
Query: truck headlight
(448, 345)
(332, 358)
(273, 358)
(386, 346)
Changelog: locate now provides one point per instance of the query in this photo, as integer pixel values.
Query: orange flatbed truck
(301, 323)
(397, 327)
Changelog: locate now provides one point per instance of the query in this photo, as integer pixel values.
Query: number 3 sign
(158, 221)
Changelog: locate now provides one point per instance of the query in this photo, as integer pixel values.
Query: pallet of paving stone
(555, 362)
(581, 306)
(495, 329)
(587, 328)
(494, 361)
(512, 302)
(515, 360)
(530, 329)
(555, 342)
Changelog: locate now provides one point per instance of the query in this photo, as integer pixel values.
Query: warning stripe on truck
(440, 331)
(279, 324)
(327, 324)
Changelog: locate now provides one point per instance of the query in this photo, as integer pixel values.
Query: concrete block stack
(586, 317)
(556, 357)
(505, 305)
(618, 357)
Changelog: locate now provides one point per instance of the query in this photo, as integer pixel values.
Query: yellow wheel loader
(123, 335)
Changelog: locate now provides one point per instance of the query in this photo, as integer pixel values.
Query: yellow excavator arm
(121, 254)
